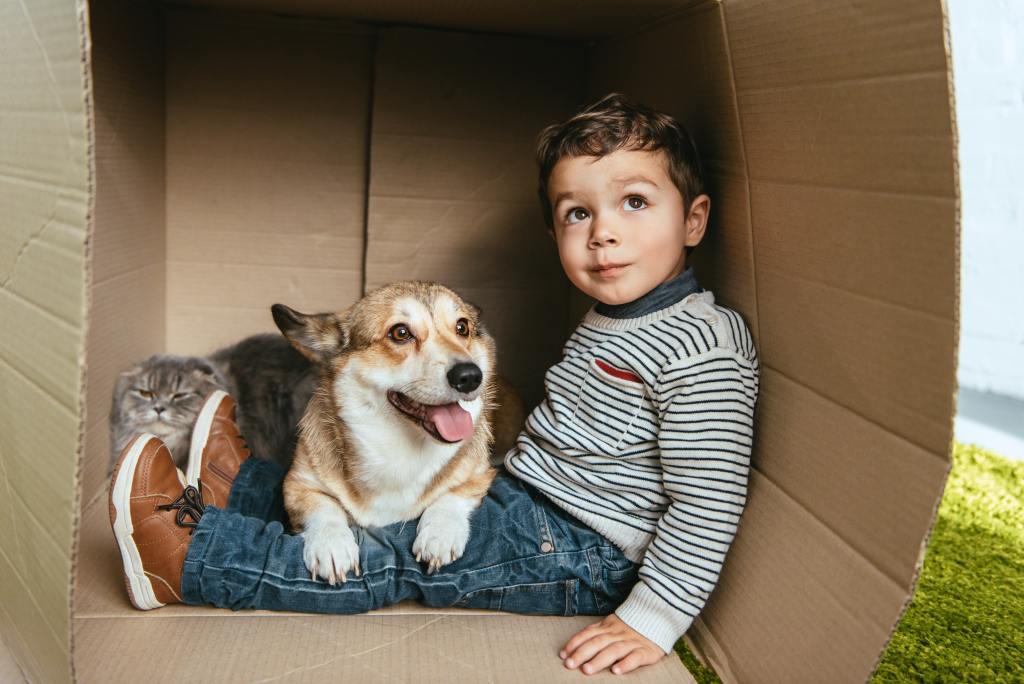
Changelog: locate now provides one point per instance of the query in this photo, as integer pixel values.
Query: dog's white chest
(396, 464)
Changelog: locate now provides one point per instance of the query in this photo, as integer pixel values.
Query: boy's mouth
(608, 270)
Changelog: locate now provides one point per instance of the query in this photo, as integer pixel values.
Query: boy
(624, 489)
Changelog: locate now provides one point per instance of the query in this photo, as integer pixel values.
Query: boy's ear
(696, 221)
(318, 337)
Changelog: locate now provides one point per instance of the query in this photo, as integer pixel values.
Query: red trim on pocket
(618, 372)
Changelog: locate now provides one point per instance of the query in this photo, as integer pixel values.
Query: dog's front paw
(440, 540)
(330, 551)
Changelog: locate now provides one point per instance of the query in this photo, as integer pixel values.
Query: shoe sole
(200, 434)
(140, 589)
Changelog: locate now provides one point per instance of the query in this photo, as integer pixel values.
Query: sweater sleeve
(706, 406)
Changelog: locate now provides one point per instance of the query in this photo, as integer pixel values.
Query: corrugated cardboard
(45, 198)
(406, 642)
(127, 314)
(453, 193)
(842, 176)
(266, 172)
(167, 173)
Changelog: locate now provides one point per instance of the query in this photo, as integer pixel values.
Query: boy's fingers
(588, 649)
(607, 656)
(577, 639)
(636, 658)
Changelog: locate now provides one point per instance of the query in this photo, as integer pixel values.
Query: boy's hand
(609, 643)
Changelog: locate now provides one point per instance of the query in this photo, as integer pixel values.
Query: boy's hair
(616, 123)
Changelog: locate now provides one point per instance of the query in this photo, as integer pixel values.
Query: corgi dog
(399, 425)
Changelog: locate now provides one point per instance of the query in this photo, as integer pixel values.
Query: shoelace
(189, 505)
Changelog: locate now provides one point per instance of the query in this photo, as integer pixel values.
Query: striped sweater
(645, 436)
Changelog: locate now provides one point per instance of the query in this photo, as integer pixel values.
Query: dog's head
(411, 347)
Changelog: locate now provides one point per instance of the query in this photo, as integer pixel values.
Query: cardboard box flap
(801, 460)
(44, 191)
(858, 360)
(854, 125)
(886, 363)
(795, 602)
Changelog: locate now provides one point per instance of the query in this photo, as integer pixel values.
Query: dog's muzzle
(448, 423)
(465, 377)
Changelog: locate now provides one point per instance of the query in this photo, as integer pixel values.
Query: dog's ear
(318, 337)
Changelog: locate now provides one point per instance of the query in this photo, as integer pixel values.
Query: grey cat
(269, 380)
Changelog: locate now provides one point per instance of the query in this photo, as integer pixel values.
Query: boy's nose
(603, 239)
(601, 234)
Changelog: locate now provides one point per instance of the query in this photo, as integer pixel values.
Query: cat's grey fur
(269, 380)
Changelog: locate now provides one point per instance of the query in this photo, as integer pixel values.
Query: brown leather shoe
(218, 450)
(152, 519)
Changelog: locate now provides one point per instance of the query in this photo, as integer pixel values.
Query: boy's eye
(462, 327)
(634, 203)
(576, 215)
(400, 333)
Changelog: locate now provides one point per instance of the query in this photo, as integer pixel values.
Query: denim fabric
(524, 555)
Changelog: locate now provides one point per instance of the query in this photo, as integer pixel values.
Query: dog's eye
(462, 327)
(400, 333)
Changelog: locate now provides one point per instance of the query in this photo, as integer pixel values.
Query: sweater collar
(664, 295)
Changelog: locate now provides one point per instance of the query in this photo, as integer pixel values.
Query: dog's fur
(359, 458)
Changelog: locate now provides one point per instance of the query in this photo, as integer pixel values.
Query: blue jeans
(524, 555)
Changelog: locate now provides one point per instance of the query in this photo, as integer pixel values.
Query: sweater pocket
(608, 403)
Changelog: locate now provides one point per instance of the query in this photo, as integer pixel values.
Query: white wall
(988, 65)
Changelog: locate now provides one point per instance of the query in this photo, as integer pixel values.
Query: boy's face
(620, 223)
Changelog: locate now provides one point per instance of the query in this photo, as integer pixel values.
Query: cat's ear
(125, 380)
(318, 337)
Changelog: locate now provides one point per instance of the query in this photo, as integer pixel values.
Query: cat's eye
(181, 395)
(145, 394)
(462, 327)
(400, 333)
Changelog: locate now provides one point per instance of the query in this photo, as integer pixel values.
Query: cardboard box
(167, 172)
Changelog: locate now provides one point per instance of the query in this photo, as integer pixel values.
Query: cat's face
(164, 394)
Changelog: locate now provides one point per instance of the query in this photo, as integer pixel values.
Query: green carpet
(966, 621)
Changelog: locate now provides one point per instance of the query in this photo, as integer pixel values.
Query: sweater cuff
(645, 612)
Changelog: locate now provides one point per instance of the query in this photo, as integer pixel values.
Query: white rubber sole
(200, 434)
(142, 594)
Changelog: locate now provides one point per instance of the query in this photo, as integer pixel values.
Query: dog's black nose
(465, 377)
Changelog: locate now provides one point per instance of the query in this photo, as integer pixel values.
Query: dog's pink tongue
(452, 421)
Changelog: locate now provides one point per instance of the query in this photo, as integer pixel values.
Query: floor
(10, 673)
(992, 421)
